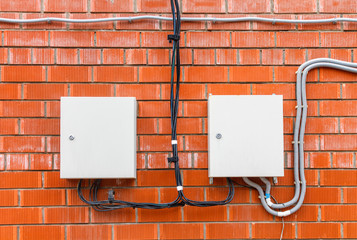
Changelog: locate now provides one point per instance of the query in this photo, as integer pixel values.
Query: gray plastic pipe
(186, 19)
(301, 93)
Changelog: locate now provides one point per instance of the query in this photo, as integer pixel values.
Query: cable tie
(174, 37)
(173, 142)
(179, 188)
(172, 159)
(111, 196)
(267, 195)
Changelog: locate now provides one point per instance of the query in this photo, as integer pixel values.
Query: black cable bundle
(181, 200)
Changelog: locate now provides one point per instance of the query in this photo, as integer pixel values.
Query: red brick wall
(42, 62)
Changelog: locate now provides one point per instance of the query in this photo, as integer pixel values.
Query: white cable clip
(284, 214)
(179, 188)
(173, 142)
(269, 202)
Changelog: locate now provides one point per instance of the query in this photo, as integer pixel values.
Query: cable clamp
(173, 142)
(111, 196)
(179, 188)
(298, 106)
(267, 195)
(173, 37)
(273, 22)
(172, 159)
(130, 20)
(334, 21)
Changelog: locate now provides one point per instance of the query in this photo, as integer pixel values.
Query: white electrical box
(245, 136)
(98, 137)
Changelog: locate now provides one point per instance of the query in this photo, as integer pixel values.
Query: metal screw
(219, 136)
(71, 138)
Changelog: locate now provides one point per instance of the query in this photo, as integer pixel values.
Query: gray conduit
(186, 19)
(299, 155)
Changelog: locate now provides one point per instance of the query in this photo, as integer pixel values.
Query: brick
(211, 214)
(53, 144)
(206, 74)
(317, 53)
(20, 56)
(323, 195)
(304, 6)
(227, 230)
(226, 56)
(184, 126)
(67, 56)
(160, 215)
(181, 231)
(115, 74)
(251, 74)
(272, 56)
(5, 25)
(40, 126)
(335, 6)
(53, 109)
(154, 74)
(322, 125)
(141, 92)
(140, 25)
(334, 75)
(208, 39)
(23, 74)
(21, 6)
(311, 142)
(42, 232)
(94, 26)
(201, 6)
(20, 179)
(65, 6)
(252, 39)
(318, 26)
(26, 38)
(297, 39)
(118, 39)
(248, 213)
(44, 25)
(319, 230)
(273, 230)
(41, 161)
(156, 39)
(323, 91)
(307, 213)
(53, 180)
(146, 126)
(277, 26)
(295, 56)
(20, 216)
(93, 90)
(348, 125)
(157, 143)
(72, 39)
(3, 55)
(135, 231)
(44, 91)
(89, 232)
(199, 178)
(204, 57)
(17, 162)
(42, 197)
(43, 56)
(113, 56)
(8, 126)
(320, 160)
(349, 91)
(89, 56)
(8, 232)
(112, 6)
(242, 195)
(350, 230)
(153, 6)
(333, 39)
(66, 215)
(249, 56)
(157, 160)
(154, 109)
(156, 178)
(22, 144)
(8, 198)
(287, 90)
(338, 108)
(69, 74)
(259, 6)
(341, 54)
(339, 142)
(196, 143)
(228, 89)
(187, 91)
(21, 109)
(285, 73)
(342, 160)
(338, 213)
(135, 56)
(349, 25)
(338, 178)
(2, 161)
(126, 215)
(288, 179)
(56, 163)
(195, 109)
(349, 195)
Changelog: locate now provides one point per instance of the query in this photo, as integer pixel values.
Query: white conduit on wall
(301, 108)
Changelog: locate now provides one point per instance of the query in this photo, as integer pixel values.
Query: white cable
(186, 19)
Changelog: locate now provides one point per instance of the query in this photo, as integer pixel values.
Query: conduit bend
(299, 132)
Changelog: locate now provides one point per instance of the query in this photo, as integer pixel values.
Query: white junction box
(98, 137)
(246, 136)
